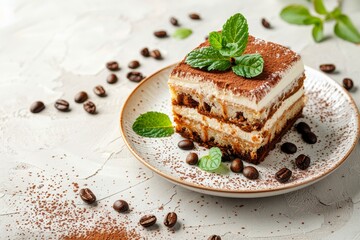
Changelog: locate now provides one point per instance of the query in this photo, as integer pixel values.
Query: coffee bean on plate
(99, 90)
(250, 172)
(214, 237)
(170, 219)
(134, 64)
(112, 78)
(348, 83)
(283, 175)
(87, 195)
(186, 144)
(37, 107)
(121, 206)
(309, 137)
(328, 68)
(112, 66)
(160, 34)
(156, 54)
(192, 158)
(147, 220)
(289, 148)
(90, 107)
(265, 23)
(302, 127)
(81, 97)
(62, 105)
(145, 52)
(194, 16)
(174, 21)
(302, 161)
(135, 76)
(237, 165)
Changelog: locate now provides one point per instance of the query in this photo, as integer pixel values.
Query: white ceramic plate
(330, 112)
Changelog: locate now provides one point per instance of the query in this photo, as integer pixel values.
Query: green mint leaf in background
(296, 14)
(153, 125)
(346, 30)
(215, 40)
(312, 20)
(333, 14)
(318, 32)
(320, 7)
(182, 33)
(212, 161)
(209, 58)
(235, 30)
(248, 65)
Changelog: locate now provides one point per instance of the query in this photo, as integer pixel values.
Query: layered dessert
(243, 116)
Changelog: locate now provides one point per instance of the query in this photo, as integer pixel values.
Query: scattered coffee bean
(37, 107)
(145, 52)
(87, 195)
(283, 175)
(302, 127)
(186, 144)
(309, 137)
(170, 219)
(237, 165)
(265, 23)
(113, 66)
(90, 107)
(214, 237)
(289, 148)
(328, 68)
(156, 54)
(99, 90)
(134, 64)
(121, 206)
(250, 172)
(302, 161)
(174, 21)
(81, 97)
(348, 83)
(192, 159)
(62, 105)
(112, 78)
(135, 76)
(147, 220)
(160, 34)
(194, 16)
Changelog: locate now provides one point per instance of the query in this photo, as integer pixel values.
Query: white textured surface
(51, 50)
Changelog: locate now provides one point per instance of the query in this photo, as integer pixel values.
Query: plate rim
(226, 191)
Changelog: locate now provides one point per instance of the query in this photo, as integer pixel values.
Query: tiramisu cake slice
(243, 116)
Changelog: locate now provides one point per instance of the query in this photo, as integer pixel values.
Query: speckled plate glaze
(330, 111)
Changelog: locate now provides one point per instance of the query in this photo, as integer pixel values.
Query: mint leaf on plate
(215, 40)
(296, 14)
(346, 30)
(248, 65)
(153, 125)
(209, 58)
(236, 31)
(182, 33)
(212, 161)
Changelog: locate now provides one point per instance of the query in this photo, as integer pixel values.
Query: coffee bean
(214, 237)
(113, 66)
(156, 54)
(289, 148)
(348, 83)
(192, 159)
(87, 195)
(134, 64)
(237, 165)
(250, 172)
(309, 137)
(145, 52)
(62, 105)
(112, 78)
(147, 220)
(160, 34)
(90, 107)
(302, 127)
(121, 206)
(170, 219)
(328, 68)
(135, 76)
(37, 107)
(302, 161)
(174, 21)
(186, 144)
(194, 16)
(265, 23)
(81, 97)
(99, 90)
(283, 175)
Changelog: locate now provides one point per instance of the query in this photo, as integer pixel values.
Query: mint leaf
(296, 14)
(318, 32)
(312, 20)
(153, 125)
(346, 30)
(333, 14)
(182, 33)
(320, 7)
(231, 50)
(215, 40)
(209, 58)
(212, 161)
(236, 31)
(248, 65)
